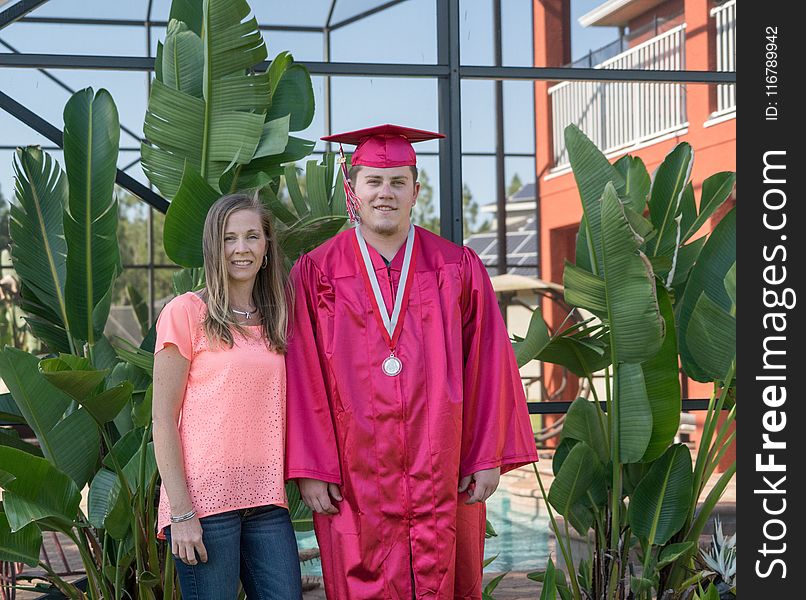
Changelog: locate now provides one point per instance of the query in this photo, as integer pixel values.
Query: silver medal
(392, 366)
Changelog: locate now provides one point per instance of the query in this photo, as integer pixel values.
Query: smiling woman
(220, 355)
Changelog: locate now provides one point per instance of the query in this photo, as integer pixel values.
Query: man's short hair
(355, 170)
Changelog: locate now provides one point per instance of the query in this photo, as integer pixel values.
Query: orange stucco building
(645, 120)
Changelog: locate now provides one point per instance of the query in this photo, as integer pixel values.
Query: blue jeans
(256, 545)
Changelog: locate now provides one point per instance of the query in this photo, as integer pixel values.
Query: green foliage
(652, 292)
(89, 403)
(91, 136)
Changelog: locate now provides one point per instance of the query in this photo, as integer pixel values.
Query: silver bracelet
(182, 518)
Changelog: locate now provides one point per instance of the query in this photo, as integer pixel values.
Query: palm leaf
(715, 190)
(665, 198)
(39, 249)
(106, 506)
(91, 136)
(660, 503)
(308, 234)
(36, 489)
(576, 476)
(45, 324)
(662, 379)
(633, 414)
(9, 411)
(221, 124)
(184, 221)
(585, 290)
(70, 443)
(592, 172)
(636, 182)
(636, 326)
(584, 422)
(182, 59)
(292, 94)
(711, 338)
(707, 276)
(537, 338)
(20, 546)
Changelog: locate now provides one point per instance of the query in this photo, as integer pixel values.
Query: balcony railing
(725, 16)
(618, 115)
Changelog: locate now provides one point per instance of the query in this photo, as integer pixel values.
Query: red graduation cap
(382, 146)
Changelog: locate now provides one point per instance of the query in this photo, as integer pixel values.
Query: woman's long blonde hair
(269, 293)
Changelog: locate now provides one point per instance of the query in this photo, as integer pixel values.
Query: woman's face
(245, 245)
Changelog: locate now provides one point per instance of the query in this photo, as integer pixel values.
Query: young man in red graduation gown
(404, 399)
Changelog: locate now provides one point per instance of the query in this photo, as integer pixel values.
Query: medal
(392, 365)
(390, 325)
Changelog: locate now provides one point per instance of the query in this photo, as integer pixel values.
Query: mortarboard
(382, 146)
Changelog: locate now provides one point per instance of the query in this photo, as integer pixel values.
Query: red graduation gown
(399, 445)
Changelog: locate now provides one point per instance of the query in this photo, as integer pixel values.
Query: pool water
(523, 542)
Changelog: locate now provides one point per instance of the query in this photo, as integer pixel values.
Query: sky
(405, 33)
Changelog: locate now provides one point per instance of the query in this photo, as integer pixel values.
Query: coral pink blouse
(232, 423)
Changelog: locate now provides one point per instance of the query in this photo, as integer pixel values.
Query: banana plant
(651, 290)
(208, 111)
(63, 226)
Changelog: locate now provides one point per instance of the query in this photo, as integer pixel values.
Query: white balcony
(618, 115)
(725, 16)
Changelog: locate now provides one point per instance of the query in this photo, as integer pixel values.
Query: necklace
(247, 314)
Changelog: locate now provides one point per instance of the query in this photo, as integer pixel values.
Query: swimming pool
(523, 542)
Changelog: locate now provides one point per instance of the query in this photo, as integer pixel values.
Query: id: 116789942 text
(771, 73)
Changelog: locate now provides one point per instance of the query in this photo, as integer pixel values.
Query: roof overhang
(519, 283)
(617, 13)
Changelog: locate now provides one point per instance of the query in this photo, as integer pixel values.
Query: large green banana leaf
(585, 422)
(182, 59)
(632, 414)
(578, 473)
(221, 123)
(208, 110)
(70, 443)
(662, 379)
(715, 191)
(707, 276)
(91, 136)
(636, 326)
(184, 221)
(291, 92)
(660, 503)
(35, 489)
(581, 349)
(537, 338)
(78, 380)
(665, 199)
(106, 505)
(37, 230)
(585, 290)
(711, 338)
(45, 324)
(636, 182)
(592, 171)
(19, 546)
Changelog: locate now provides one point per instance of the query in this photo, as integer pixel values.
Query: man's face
(387, 197)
